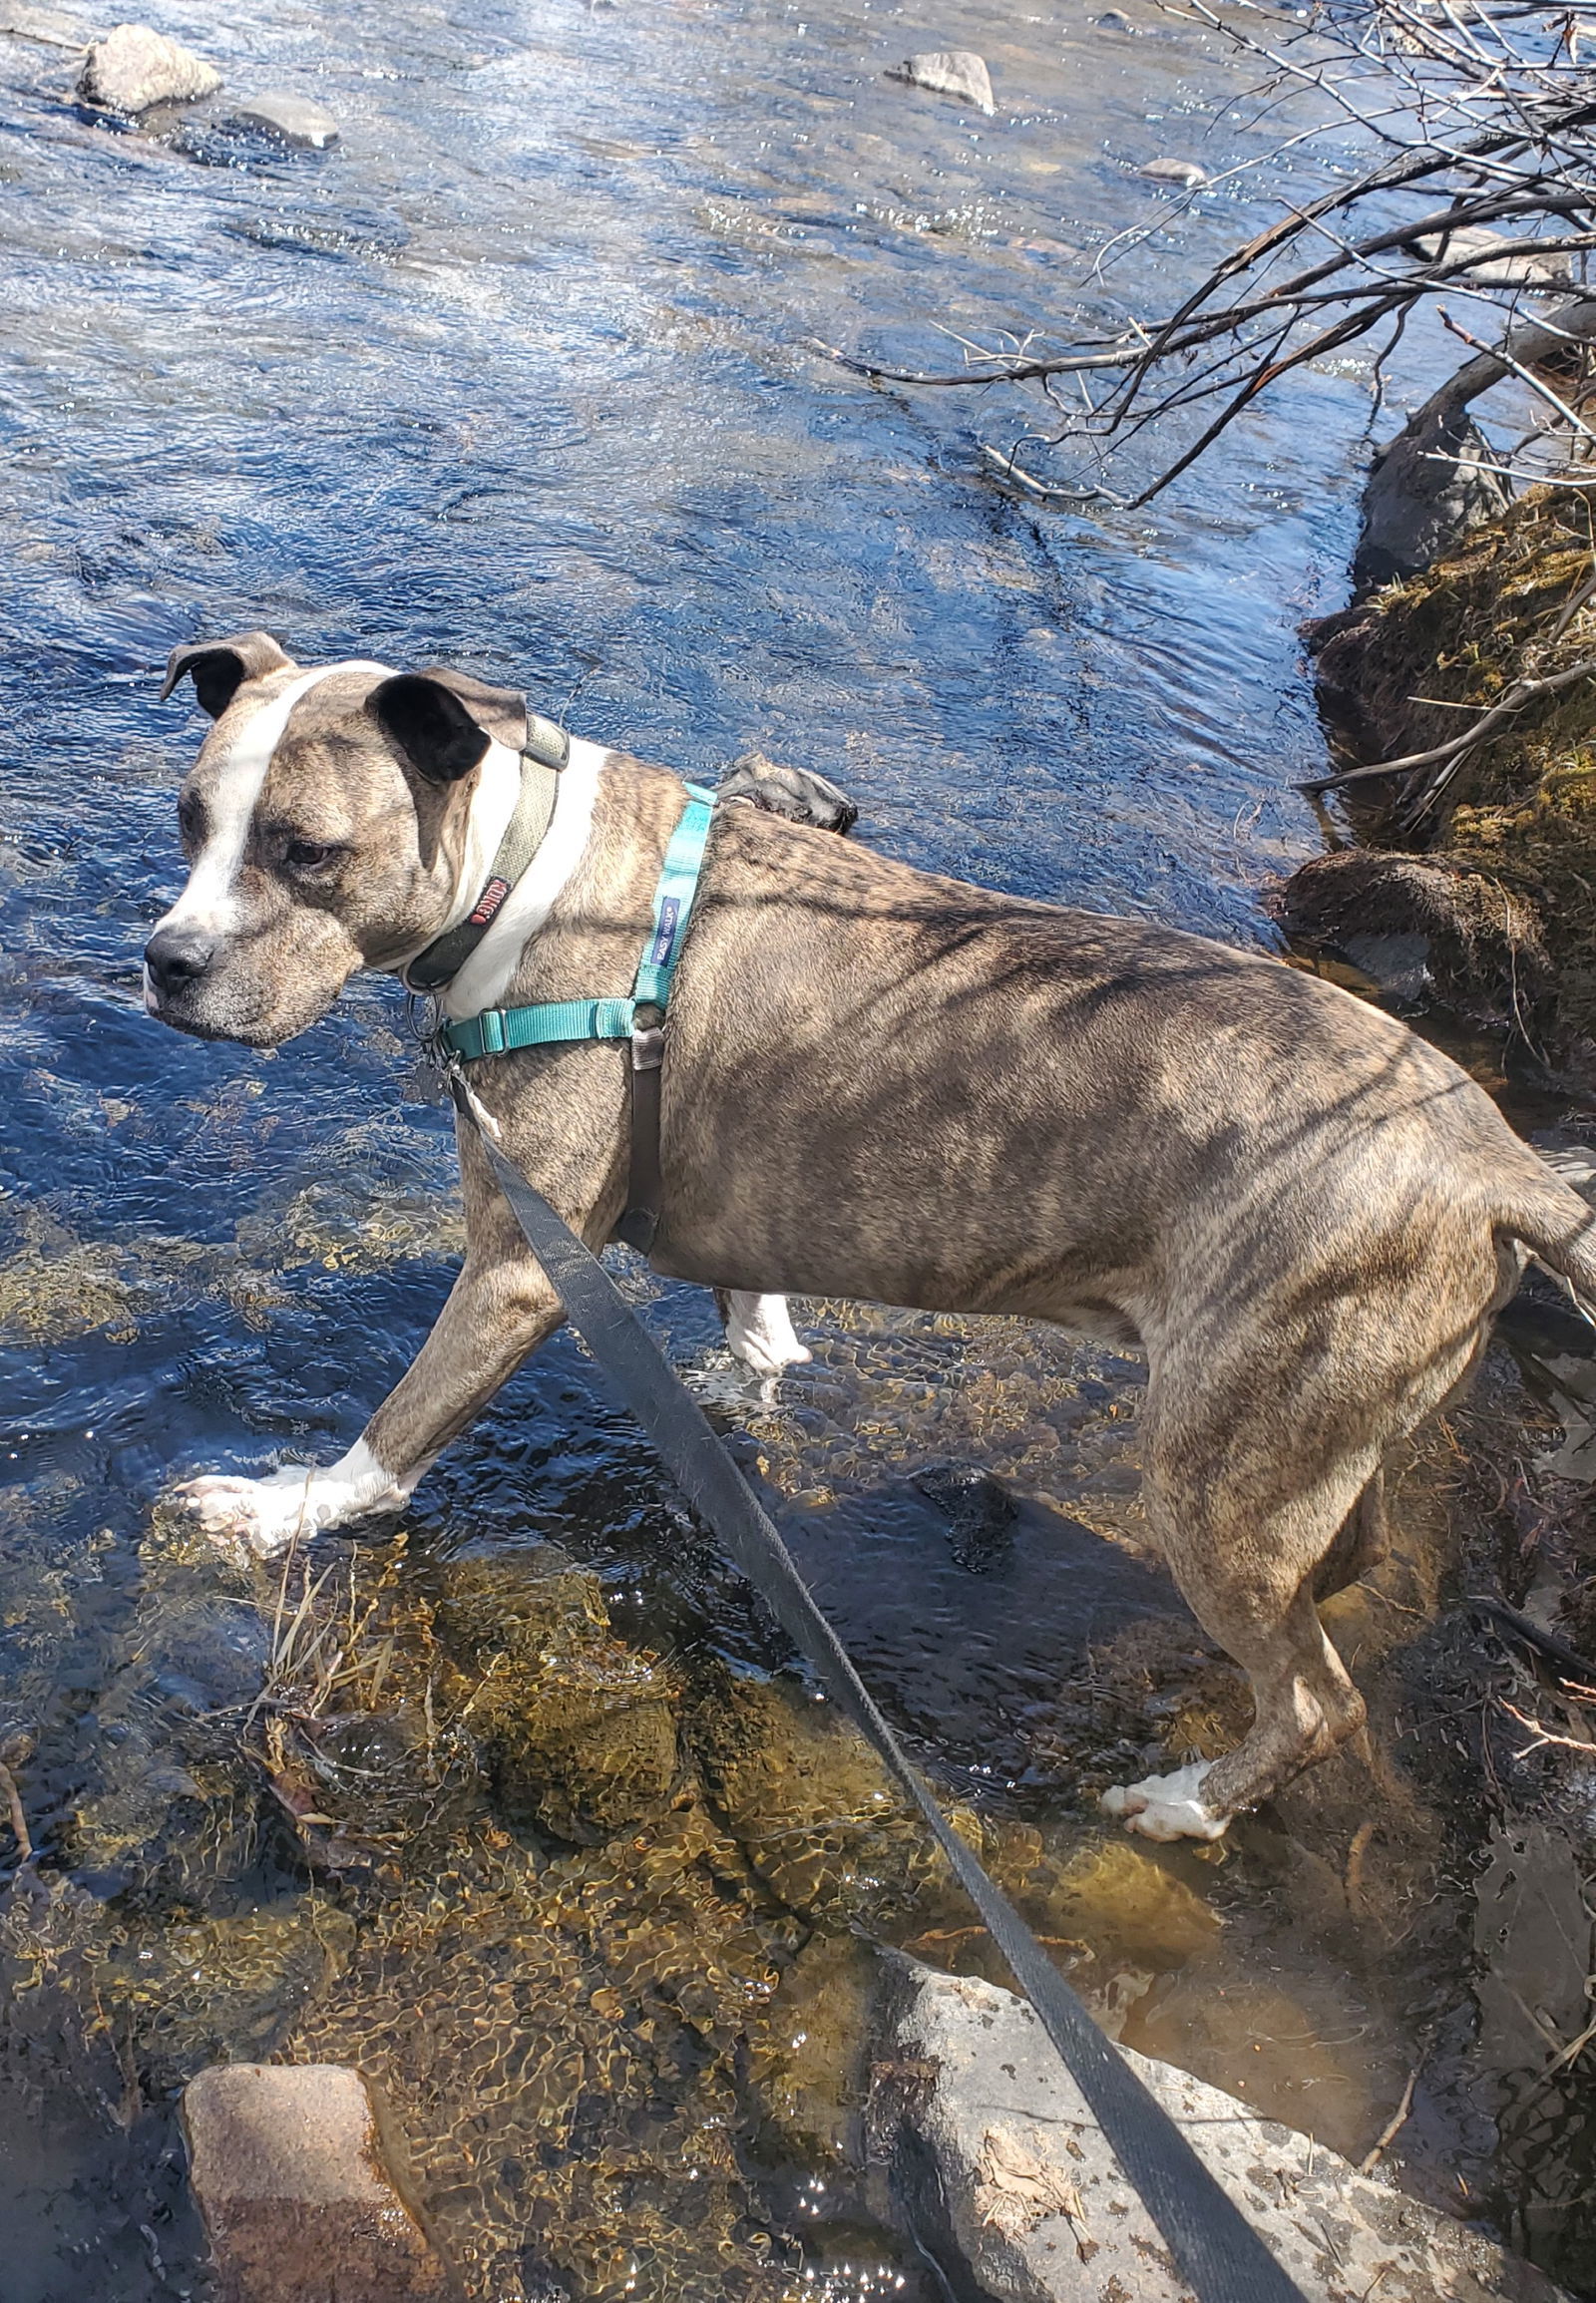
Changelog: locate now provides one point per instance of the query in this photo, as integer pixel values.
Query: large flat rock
(301, 2205)
(1038, 2209)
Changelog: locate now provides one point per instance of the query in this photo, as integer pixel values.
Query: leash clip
(648, 1036)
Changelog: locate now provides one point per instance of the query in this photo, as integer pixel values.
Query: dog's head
(324, 823)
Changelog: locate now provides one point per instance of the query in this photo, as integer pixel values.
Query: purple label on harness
(665, 932)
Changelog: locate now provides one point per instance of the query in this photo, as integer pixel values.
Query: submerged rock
(289, 2166)
(956, 72)
(134, 68)
(1182, 171)
(979, 1511)
(806, 1800)
(578, 1729)
(1030, 2202)
(290, 120)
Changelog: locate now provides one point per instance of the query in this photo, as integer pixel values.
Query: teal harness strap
(550, 1022)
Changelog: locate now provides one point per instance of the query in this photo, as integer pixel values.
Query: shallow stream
(523, 375)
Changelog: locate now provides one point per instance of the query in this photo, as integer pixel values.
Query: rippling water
(525, 375)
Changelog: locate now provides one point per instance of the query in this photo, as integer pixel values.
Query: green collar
(542, 755)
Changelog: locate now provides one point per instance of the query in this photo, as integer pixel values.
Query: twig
(1389, 2132)
(1521, 692)
(19, 1820)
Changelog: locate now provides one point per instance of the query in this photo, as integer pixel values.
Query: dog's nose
(177, 956)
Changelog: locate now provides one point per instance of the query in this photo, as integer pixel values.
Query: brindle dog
(887, 1085)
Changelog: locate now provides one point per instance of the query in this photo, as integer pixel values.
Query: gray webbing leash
(1215, 2248)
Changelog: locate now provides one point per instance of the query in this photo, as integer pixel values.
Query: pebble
(1114, 20)
(287, 2163)
(290, 120)
(956, 72)
(134, 68)
(1182, 172)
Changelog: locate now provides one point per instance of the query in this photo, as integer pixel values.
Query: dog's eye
(310, 856)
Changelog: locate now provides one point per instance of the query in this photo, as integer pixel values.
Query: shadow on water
(521, 375)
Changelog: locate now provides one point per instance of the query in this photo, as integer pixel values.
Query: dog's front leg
(499, 1308)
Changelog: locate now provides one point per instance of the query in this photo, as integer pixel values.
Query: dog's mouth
(185, 1011)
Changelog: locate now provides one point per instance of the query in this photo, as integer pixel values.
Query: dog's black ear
(501, 710)
(443, 721)
(220, 668)
(796, 793)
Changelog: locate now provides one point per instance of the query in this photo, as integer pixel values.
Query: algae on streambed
(597, 1918)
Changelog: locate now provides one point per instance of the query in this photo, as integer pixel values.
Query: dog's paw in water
(264, 1515)
(759, 1333)
(1166, 1806)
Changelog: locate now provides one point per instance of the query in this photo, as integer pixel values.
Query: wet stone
(956, 72)
(287, 2165)
(979, 1510)
(1185, 173)
(806, 1800)
(1036, 2207)
(134, 68)
(325, 233)
(289, 120)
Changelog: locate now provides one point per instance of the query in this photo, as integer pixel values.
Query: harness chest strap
(639, 1018)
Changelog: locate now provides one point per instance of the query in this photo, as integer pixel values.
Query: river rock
(1185, 173)
(289, 2166)
(290, 120)
(1424, 493)
(1033, 2206)
(134, 68)
(1497, 261)
(956, 72)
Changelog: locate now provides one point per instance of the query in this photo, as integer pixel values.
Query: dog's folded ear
(796, 793)
(220, 668)
(443, 720)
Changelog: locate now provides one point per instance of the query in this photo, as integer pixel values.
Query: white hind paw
(759, 1333)
(1166, 1806)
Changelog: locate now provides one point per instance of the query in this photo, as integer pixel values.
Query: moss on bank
(1510, 837)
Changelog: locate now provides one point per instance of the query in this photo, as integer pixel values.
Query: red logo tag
(489, 901)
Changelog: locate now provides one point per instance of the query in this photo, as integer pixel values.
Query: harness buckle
(491, 1024)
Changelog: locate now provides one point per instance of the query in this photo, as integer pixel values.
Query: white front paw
(262, 1514)
(1166, 1806)
(759, 1333)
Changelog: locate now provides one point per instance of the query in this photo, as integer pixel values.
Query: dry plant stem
(19, 1820)
(1521, 692)
(1394, 2125)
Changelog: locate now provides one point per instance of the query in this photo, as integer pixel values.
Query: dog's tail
(1558, 1227)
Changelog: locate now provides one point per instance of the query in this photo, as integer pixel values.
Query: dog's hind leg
(1255, 1596)
(759, 1331)
(1362, 1543)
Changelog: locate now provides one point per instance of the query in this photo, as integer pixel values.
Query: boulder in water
(956, 72)
(1004, 2177)
(134, 68)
